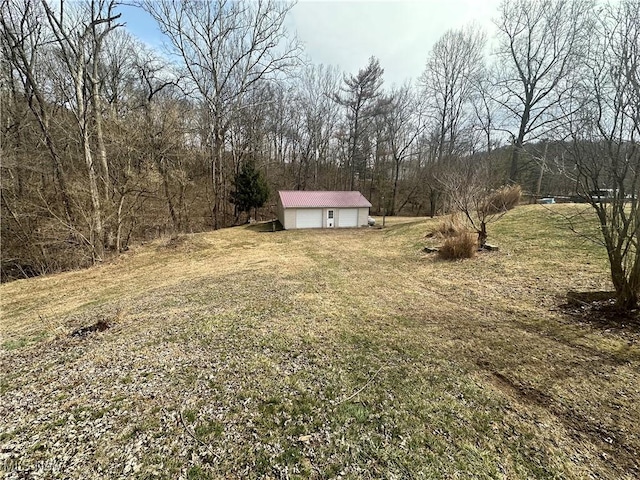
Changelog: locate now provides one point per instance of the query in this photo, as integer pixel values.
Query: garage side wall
(289, 216)
(280, 212)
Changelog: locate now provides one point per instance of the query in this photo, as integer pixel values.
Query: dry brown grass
(451, 226)
(503, 199)
(235, 354)
(459, 247)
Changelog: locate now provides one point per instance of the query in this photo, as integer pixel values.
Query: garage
(322, 209)
(348, 217)
(309, 218)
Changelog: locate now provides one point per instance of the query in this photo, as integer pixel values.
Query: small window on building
(330, 214)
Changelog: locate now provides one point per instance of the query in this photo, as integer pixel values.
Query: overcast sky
(399, 33)
(347, 33)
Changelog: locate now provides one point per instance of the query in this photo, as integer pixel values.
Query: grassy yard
(322, 354)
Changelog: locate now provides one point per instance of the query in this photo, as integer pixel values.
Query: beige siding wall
(290, 218)
(280, 212)
(287, 217)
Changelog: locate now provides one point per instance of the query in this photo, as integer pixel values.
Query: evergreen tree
(362, 97)
(251, 189)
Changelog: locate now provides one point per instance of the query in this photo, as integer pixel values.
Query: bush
(460, 246)
(452, 226)
(502, 199)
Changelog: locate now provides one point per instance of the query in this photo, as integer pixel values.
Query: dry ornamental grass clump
(461, 246)
(452, 226)
(502, 200)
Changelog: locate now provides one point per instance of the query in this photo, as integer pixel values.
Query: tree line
(106, 141)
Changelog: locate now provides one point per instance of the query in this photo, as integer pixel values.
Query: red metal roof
(317, 199)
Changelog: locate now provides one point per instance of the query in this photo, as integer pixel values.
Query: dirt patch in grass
(99, 326)
(599, 310)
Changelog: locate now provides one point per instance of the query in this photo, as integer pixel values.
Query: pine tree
(251, 189)
(362, 97)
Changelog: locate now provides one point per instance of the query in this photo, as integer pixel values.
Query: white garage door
(311, 218)
(348, 217)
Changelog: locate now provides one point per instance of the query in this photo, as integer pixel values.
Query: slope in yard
(318, 354)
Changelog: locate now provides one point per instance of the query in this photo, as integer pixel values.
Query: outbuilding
(322, 209)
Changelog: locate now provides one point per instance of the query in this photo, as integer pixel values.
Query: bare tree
(605, 134)
(319, 115)
(121, 79)
(485, 110)
(226, 48)
(79, 35)
(539, 55)
(469, 188)
(405, 122)
(23, 47)
(453, 68)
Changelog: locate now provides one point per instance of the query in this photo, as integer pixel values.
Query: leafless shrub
(469, 190)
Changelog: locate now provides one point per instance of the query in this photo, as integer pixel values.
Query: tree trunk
(96, 213)
(627, 286)
(119, 224)
(514, 169)
(96, 240)
(216, 172)
(433, 202)
(627, 299)
(540, 176)
(482, 235)
(97, 119)
(42, 116)
(164, 173)
(395, 186)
